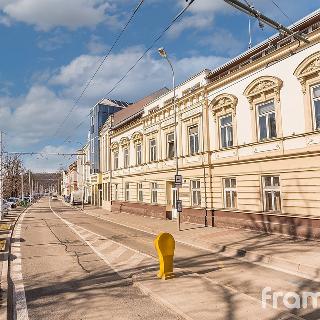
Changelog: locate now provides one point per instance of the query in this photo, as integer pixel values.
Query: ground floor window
(230, 192)
(154, 192)
(126, 191)
(195, 193)
(139, 192)
(115, 191)
(271, 193)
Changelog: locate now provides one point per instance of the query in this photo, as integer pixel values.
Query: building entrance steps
(296, 256)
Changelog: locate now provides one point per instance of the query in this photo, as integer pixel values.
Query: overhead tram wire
(283, 12)
(75, 104)
(215, 93)
(139, 59)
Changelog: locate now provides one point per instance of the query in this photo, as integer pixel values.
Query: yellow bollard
(165, 246)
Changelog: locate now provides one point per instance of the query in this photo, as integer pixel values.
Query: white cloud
(51, 43)
(47, 14)
(96, 45)
(200, 16)
(34, 118)
(202, 13)
(224, 42)
(47, 162)
(149, 75)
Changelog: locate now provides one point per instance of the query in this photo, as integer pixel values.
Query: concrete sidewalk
(297, 256)
(196, 297)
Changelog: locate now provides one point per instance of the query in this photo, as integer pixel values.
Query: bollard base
(166, 276)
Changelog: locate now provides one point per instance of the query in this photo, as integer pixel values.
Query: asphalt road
(65, 279)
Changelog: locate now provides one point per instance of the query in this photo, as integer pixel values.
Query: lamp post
(164, 55)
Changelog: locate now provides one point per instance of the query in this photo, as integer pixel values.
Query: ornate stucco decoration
(124, 142)
(309, 68)
(259, 88)
(223, 103)
(114, 146)
(137, 137)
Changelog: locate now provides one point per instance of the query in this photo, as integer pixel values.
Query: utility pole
(1, 178)
(32, 188)
(30, 185)
(250, 10)
(22, 186)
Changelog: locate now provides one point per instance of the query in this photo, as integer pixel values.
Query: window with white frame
(230, 192)
(170, 145)
(126, 191)
(195, 193)
(153, 149)
(316, 106)
(226, 131)
(271, 193)
(267, 127)
(139, 192)
(115, 160)
(138, 154)
(193, 140)
(125, 157)
(154, 192)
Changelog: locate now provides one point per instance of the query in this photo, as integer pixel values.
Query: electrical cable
(75, 104)
(139, 59)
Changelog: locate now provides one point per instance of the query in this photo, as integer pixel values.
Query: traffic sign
(178, 180)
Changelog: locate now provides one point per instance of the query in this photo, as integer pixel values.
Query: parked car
(5, 205)
(12, 202)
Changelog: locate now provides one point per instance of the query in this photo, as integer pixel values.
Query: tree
(12, 171)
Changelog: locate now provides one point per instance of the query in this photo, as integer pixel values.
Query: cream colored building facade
(248, 143)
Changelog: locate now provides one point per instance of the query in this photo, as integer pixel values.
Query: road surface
(69, 265)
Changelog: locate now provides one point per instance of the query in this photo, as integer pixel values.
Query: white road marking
(122, 268)
(19, 296)
(115, 254)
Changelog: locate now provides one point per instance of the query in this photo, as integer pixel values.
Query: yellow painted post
(165, 246)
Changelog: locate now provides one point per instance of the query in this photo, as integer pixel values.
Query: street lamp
(164, 55)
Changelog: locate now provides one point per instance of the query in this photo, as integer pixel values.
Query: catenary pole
(22, 186)
(250, 10)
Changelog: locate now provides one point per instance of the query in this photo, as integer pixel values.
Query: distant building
(98, 116)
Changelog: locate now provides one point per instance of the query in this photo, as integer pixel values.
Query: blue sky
(50, 48)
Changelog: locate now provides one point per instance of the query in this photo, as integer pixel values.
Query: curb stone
(279, 264)
(4, 314)
(6, 273)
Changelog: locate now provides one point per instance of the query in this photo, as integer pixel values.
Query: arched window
(308, 73)
(125, 144)
(115, 155)
(223, 108)
(137, 138)
(263, 95)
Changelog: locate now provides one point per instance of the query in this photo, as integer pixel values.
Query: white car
(54, 197)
